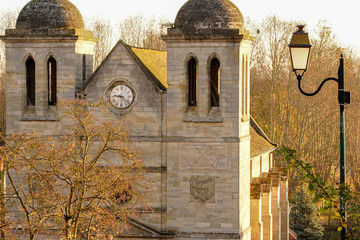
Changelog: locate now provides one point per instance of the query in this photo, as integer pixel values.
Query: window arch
(30, 81)
(214, 82)
(192, 65)
(51, 70)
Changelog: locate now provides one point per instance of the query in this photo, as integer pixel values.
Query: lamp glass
(299, 57)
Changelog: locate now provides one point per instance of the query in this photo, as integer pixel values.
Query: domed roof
(206, 16)
(49, 14)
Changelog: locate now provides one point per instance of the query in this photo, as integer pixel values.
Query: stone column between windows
(255, 212)
(275, 204)
(284, 202)
(266, 215)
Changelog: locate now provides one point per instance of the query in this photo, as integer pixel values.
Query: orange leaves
(84, 181)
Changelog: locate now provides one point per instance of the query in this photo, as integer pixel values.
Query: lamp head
(300, 51)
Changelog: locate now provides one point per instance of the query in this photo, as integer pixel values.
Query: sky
(343, 16)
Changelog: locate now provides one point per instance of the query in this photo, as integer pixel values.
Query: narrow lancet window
(51, 81)
(30, 82)
(84, 68)
(243, 86)
(214, 82)
(247, 87)
(192, 82)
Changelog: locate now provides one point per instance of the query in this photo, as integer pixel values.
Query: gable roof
(152, 62)
(259, 142)
(155, 62)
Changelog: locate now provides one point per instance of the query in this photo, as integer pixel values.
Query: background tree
(7, 21)
(310, 125)
(103, 31)
(86, 184)
(325, 192)
(142, 31)
(136, 30)
(304, 215)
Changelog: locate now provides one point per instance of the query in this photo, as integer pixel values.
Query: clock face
(121, 96)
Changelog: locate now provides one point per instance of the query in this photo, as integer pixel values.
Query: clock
(121, 96)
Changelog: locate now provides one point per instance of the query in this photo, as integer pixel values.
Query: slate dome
(49, 14)
(206, 16)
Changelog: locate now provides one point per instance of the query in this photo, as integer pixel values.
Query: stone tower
(207, 122)
(49, 57)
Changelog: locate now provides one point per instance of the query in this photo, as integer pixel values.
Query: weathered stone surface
(50, 14)
(285, 209)
(209, 17)
(282, 171)
(202, 189)
(275, 177)
(266, 216)
(256, 219)
(255, 190)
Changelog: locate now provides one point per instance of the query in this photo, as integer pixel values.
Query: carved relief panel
(203, 156)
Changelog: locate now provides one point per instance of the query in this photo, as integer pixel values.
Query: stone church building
(189, 109)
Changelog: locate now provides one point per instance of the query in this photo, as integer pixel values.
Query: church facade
(189, 109)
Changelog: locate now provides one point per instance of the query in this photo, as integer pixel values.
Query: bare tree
(307, 124)
(144, 32)
(85, 184)
(7, 21)
(103, 31)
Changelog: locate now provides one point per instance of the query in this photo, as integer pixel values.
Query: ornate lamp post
(300, 51)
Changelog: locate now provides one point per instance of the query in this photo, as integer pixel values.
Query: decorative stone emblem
(202, 189)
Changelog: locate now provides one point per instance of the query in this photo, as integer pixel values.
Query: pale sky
(343, 16)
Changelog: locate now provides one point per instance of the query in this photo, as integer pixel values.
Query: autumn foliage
(84, 184)
(308, 125)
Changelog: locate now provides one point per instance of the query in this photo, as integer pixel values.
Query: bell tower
(207, 122)
(49, 56)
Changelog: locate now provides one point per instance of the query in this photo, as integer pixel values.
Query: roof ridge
(90, 79)
(143, 48)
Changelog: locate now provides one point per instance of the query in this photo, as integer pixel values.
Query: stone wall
(42, 118)
(144, 121)
(208, 159)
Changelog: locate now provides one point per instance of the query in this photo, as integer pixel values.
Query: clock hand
(121, 96)
(127, 101)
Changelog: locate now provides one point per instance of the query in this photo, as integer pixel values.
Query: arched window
(247, 86)
(243, 87)
(192, 82)
(214, 82)
(84, 68)
(51, 68)
(30, 82)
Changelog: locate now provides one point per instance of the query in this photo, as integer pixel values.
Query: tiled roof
(259, 142)
(155, 61)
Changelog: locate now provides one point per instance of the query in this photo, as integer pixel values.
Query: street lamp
(300, 52)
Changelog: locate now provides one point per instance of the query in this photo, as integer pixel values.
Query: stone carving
(202, 189)
(203, 156)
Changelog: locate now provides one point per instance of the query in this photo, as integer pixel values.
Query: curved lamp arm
(299, 78)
